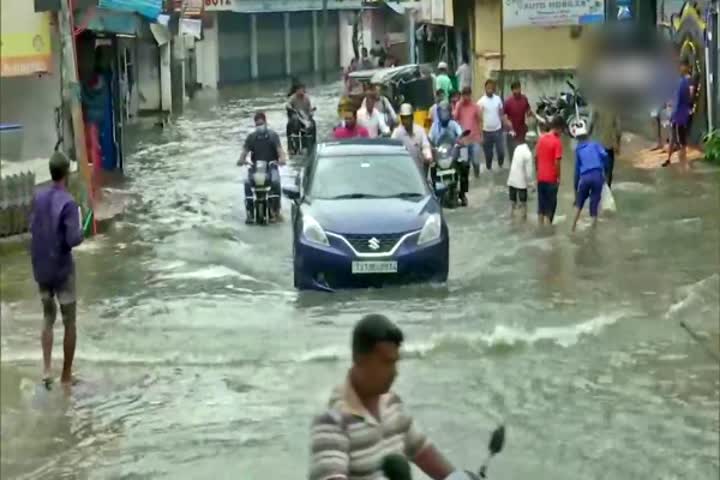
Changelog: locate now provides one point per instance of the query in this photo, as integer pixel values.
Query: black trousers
(610, 166)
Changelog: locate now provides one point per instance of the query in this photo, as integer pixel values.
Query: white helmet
(578, 128)
(442, 66)
(406, 110)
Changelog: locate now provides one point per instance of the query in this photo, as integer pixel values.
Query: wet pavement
(198, 359)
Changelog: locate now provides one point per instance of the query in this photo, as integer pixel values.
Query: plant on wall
(712, 146)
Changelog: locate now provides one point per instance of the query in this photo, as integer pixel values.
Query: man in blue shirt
(590, 164)
(680, 119)
(55, 229)
(445, 130)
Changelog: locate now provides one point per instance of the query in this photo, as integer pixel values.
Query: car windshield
(376, 176)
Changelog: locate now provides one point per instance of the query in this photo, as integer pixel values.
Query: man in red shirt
(517, 109)
(467, 114)
(548, 155)
(349, 128)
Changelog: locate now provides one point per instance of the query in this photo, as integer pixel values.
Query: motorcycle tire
(261, 212)
(452, 197)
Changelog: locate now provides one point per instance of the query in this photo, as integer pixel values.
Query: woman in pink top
(467, 113)
(349, 128)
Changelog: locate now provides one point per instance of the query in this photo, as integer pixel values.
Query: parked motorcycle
(396, 467)
(264, 201)
(570, 106)
(301, 134)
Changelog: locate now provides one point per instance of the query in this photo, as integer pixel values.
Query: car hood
(372, 215)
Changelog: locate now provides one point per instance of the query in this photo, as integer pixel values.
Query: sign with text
(552, 13)
(259, 6)
(25, 46)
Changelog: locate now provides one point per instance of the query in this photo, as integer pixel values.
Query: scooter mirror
(497, 440)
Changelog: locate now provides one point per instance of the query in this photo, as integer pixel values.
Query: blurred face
(300, 92)
(407, 121)
(517, 91)
(490, 89)
(349, 119)
(374, 92)
(467, 97)
(439, 97)
(376, 371)
(370, 103)
(684, 69)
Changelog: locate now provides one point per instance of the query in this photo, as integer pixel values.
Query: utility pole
(323, 40)
(72, 92)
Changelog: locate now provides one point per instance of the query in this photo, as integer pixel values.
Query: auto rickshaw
(411, 84)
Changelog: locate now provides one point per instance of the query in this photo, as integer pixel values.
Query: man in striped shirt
(365, 421)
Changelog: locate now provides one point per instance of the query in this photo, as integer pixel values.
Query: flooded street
(198, 358)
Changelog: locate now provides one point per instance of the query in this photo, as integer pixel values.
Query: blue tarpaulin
(147, 8)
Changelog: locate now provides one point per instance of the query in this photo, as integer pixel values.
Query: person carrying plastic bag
(591, 161)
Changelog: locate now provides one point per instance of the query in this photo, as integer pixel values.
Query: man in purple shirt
(55, 229)
(682, 109)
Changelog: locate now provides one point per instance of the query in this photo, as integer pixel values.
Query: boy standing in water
(548, 155)
(520, 177)
(591, 160)
(55, 230)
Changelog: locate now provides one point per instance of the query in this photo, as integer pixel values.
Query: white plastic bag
(607, 201)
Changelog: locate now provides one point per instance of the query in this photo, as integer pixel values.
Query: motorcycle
(264, 201)
(571, 106)
(396, 467)
(449, 158)
(301, 133)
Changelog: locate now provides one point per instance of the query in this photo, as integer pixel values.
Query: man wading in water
(365, 421)
(55, 230)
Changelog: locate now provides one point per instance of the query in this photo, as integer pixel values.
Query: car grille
(365, 243)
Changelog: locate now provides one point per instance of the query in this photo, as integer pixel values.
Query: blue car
(363, 215)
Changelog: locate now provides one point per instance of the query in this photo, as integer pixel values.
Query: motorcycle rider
(349, 127)
(369, 117)
(264, 144)
(299, 103)
(446, 130)
(382, 104)
(414, 137)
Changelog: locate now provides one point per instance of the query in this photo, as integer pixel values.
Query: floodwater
(198, 359)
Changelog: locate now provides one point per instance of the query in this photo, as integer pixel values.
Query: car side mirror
(292, 192)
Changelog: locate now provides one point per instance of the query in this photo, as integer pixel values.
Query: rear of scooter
(447, 175)
(261, 184)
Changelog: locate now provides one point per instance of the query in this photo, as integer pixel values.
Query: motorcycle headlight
(445, 163)
(443, 151)
(259, 178)
(431, 230)
(314, 232)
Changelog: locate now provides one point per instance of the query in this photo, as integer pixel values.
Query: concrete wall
(525, 49)
(208, 68)
(149, 91)
(30, 101)
(345, 32)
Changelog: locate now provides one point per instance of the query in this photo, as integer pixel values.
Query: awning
(147, 8)
(107, 21)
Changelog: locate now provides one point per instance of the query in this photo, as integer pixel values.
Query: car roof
(361, 147)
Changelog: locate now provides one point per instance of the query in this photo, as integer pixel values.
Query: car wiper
(406, 195)
(353, 195)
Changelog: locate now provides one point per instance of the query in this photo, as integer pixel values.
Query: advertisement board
(25, 46)
(552, 13)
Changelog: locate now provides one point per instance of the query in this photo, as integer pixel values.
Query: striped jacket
(349, 443)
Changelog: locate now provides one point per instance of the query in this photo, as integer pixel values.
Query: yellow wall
(530, 48)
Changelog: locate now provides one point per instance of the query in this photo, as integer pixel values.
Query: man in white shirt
(491, 107)
(521, 177)
(372, 119)
(414, 137)
(382, 104)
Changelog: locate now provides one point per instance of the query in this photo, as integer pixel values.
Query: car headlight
(432, 229)
(314, 232)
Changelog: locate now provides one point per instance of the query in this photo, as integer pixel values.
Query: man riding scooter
(300, 130)
(446, 131)
(264, 145)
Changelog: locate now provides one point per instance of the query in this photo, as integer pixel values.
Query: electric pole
(72, 91)
(323, 40)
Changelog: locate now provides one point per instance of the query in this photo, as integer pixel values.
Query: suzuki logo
(374, 243)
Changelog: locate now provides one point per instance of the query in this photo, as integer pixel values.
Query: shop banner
(436, 12)
(260, 6)
(25, 46)
(552, 13)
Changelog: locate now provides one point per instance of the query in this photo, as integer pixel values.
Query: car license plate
(374, 267)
